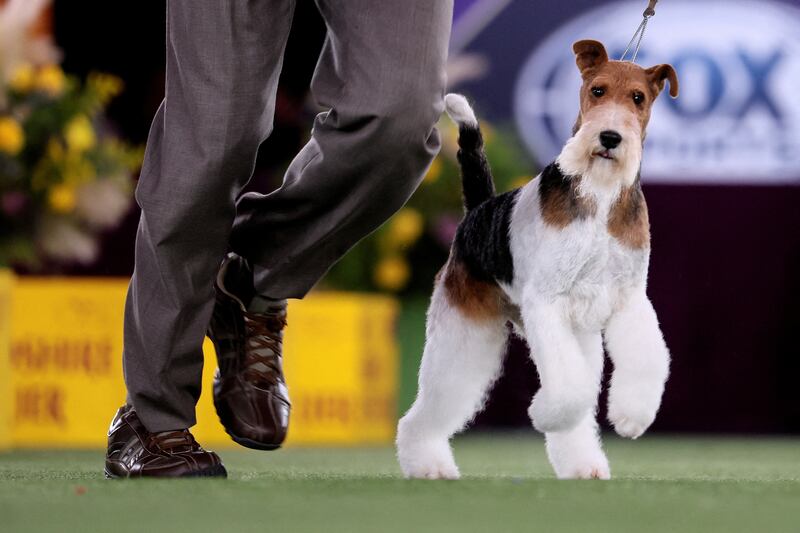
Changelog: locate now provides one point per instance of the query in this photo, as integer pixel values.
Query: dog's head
(616, 98)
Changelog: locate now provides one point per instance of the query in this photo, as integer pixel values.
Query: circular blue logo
(737, 119)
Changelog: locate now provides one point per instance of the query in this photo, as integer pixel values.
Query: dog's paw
(421, 456)
(432, 460)
(591, 470)
(577, 454)
(432, 470)
(630, 429)
(632, 411)
(572, 460)
(551, 412)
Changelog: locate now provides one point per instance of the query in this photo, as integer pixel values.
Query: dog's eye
(638, 98)
(598, 91)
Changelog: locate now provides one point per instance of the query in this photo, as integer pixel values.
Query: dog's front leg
(578, 453)
(641, 365)
(569, 387)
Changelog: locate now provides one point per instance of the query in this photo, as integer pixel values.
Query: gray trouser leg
(382, 77)
(223, 62)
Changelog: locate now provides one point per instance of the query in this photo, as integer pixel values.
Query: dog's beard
(583, 154)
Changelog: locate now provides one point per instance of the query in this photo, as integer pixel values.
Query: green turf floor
(661, 484)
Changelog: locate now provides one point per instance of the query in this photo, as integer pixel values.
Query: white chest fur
(582, 266)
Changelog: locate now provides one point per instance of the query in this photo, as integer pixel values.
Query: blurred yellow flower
(51, 80)
(79, 134)
(520, 182)
(106, 86)
(12, 138)
(434, 171)
(488, 133)
(55, 150)
(449, 132)
(77, 170)
(392, 273)
(405, 227)
(61, 198)
(22, 78)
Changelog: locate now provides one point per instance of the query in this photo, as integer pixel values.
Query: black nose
(610, 139)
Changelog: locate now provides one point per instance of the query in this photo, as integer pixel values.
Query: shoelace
(264, 332)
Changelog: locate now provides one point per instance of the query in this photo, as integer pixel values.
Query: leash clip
(648, 13)
(651, 9)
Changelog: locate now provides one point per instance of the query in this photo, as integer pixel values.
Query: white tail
(459, 110)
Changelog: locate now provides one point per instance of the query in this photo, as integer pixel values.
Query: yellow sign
(6, 281)
(64, 368)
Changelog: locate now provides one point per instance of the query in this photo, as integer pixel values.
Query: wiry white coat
(575, 288)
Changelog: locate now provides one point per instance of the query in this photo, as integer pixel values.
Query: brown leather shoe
(135, 452)
(250, 392)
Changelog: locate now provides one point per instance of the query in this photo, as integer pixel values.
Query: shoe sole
(214, 471)
(244, 441)
(252, 444)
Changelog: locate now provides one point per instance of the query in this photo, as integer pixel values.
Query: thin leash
(649, 12)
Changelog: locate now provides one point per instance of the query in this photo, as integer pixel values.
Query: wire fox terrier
(565, 260)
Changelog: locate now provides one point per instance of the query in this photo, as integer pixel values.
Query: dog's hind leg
(577, 453)
(463, 356)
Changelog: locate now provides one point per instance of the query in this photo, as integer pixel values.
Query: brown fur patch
(559, 199)
(628, 220)
(476, 299)
(619, 80)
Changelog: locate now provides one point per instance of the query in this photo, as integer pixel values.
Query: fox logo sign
(738, 117)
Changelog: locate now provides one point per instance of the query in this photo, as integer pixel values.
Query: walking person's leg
(223, 62)
(381, 77)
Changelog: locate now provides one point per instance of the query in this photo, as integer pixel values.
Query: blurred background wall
(721, 177)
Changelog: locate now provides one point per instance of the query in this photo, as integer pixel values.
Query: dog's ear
(589, 54)
(659, 74)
